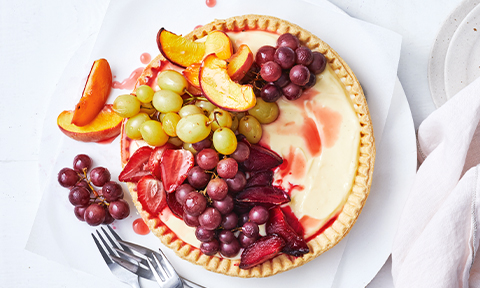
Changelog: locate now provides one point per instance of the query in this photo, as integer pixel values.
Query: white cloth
(439, 231)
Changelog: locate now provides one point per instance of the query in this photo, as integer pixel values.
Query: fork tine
(110, 251)
(154, 271)
(125, 248)
(114, 244)
(164, 262)
(102, 252)
(140, 249)
(142, 272)
(129, 255)
(161, 268)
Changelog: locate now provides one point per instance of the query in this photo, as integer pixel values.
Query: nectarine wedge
(179, 50)
(191, 74)
(94, 94)
(105, 126)
(219, 43)
(240, 63)
(221, 90)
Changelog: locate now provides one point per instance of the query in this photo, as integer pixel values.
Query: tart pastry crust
(362, 182)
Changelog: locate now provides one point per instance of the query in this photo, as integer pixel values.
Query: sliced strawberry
(174, 167)
(277, 224)
(155, 157)
(151, 194)
(137, 165)
(263, 195)
(261, 158)
(173, 204)
(261, 250)
(262, 178)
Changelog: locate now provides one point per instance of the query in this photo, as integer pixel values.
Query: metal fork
(122, 274)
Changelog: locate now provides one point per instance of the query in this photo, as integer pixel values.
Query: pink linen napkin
(438, 235)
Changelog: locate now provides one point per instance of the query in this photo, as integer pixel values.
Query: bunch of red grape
(94, 207)
(208, 202)
(288, 68)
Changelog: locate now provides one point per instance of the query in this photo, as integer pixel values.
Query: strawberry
(136, 166)
(155, 157)
(174, 167)
(261, 158)
(277, 224)
(261, 250)
(151, 194)
(173, 204)
(263, 195)
(261, 178)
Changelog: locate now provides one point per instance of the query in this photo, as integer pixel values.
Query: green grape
(148, 108)
(189, 147)
(206, 106)
(193, 128)
(126, 106)
(161, 116)
(132, 127)
(250, 128)
(167, 101)
(235, 122)
(172, 80)
(189, 110)
(224, 141)
(144, 93)
(175, 141)
(240, 115)
(220, 118)
(265, 112)
(169, 123)
(153, 134)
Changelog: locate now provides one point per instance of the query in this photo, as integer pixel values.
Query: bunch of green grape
(164, 116)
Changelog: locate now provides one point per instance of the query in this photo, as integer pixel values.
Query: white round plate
(436, 65)
(462, 62)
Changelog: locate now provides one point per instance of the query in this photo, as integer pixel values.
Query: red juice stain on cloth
(128, 83)
(140, 227)
(211, 3)
(145, 58)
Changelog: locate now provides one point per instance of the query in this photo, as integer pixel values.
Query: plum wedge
(263, 195)
(261, 250)
(278, 224)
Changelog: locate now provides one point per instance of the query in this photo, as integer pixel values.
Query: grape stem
(192, 98)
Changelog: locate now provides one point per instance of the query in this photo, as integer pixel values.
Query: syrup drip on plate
(140, 227)
(211, 3)
(145, 58)
(128, 83)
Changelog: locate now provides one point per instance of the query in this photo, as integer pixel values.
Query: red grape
(242, 219)
(205, 143)
(79, 196)
(288, 40)
(270, 93)
(82, 162)
(245, 241)
(250, 229)
(231, 249)
(258, 215)
(311, 81)
(204, 235)
(190, 220)
(241, 153)
(207, 159)
(210, 218)
(224, 206)
(227, 168)
(108, 218)
(83, 184)
(112, 191)
(237, 183)
(271, 71)
(119, 209)
(210, 248)
(264, 54)
(282, 81)
(303, 56)
(292, 91)
(230, 221)
(299, 75)
(95, 214)
(99, 176)
(217, 189)
(226, 236)
(182, 191)
(198, 178)
(79, 211)
(68, 177)
(195, 204)
(285, 57)
(318, 64)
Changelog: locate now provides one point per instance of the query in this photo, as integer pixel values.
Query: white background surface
(36, 43)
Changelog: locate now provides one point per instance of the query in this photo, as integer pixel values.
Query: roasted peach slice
(219, 43)
(240, 63)
(105, 126)
(191, 74)
(179, 50)
(220, 89)
(94, 94)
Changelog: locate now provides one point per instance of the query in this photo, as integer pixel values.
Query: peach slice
(240, 63)
(221, 90)
(94, 94)
(179, 50)
(219, 43)
(105, 126)
(191, 74)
